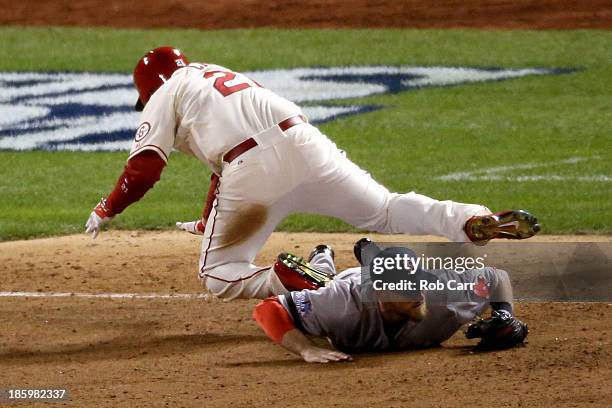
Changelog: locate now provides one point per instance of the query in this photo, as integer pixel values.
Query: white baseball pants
(301, 170)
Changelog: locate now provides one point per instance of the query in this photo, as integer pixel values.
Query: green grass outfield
(418, 136)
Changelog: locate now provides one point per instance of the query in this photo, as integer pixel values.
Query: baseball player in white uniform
(267, 162)
(356, 317)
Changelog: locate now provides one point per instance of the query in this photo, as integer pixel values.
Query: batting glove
(193, 227)
(98, 217)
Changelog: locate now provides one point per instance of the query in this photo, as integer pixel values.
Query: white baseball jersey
(205, 110)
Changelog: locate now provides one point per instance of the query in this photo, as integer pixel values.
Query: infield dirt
(206, 352)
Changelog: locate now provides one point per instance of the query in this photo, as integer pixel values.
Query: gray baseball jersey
(345, 313)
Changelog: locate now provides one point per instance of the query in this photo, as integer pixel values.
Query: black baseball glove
(499, 332)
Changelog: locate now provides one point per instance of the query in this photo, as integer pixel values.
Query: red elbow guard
(272, 317)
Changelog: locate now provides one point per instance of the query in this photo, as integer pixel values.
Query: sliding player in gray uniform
(355, 317)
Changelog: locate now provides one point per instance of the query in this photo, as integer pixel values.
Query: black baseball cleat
(511, 224)
(365, 246)
(322, 249)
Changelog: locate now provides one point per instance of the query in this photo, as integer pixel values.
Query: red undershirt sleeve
(210, 197)
(272, 317)
(139, 175)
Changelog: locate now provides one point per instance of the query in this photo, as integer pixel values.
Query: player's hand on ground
(193, 227)
(322, 355)
(98, 217)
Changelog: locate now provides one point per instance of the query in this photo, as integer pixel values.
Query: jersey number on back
(220, 82)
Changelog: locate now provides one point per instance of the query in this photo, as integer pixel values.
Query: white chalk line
(181, 296)
(496, 173)
(185, 296)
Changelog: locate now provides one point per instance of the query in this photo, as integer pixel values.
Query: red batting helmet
(155, 68)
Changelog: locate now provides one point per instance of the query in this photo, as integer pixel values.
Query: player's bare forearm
(275, 321)
(296, 342)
